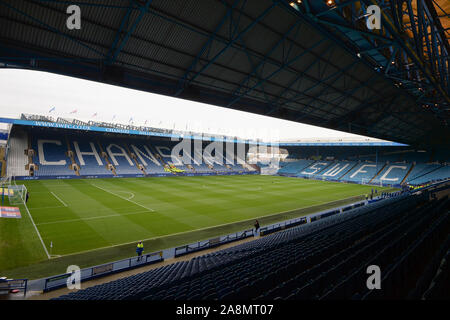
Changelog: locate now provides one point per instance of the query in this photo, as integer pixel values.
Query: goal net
(16, 194)
(5, 182)
(366, 181)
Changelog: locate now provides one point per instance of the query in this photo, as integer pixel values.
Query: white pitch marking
(92, 218)
(37, 231)
(65, 205)
(138, 204)
(36, 208)
(129, 198)
(205, 228)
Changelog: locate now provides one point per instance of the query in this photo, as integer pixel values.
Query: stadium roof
(300, 61)
(111, 128)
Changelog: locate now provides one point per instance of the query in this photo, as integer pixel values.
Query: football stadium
(109, 191)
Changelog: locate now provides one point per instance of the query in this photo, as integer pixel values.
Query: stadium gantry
(310, 61)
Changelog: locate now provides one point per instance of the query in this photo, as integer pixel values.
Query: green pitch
(95, 221)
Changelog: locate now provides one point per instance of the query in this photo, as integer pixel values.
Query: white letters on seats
(93, 153)
(122, 153)
(361, 169)
(315, 168)
(335, 170)
(42, 156)
(389, 170)
(149, 155)
(168, 155)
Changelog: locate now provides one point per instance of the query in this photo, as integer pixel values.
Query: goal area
(16, 193)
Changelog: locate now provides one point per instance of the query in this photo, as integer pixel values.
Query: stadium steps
(16, 159)
(161, 159)
(2, 168)
(378, 173)
(30, 156)
(73, 166)
(2, 161)
(135, 160)
(104, 155)
(407, 174)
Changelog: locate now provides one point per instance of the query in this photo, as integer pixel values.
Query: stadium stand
(17, 160)
(89, 158)
(392, 173)
(60, 154)
(438, 174)
(295, 167)
(363, 172)
(314, 169)
(2, 161)
(421, 169)
(52, 154)
(120, 158)
(337, 170)
(397, 164)
(326, 259)
(147, 158)
(106, 156)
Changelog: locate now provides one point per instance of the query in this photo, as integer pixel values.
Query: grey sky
(33, 92)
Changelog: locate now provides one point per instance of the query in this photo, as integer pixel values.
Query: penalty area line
(37, 231)
(64, 204)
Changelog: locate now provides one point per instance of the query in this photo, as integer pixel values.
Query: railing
(282, 225)
(14, 284)
(60, 281)
(211, 243)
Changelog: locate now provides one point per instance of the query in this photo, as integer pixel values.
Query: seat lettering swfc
(361, 169)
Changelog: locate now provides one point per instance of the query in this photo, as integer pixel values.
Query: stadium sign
(10, 212)
(70, 126)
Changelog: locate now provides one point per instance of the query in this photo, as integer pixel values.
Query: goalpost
(366, 181)
(16, 193)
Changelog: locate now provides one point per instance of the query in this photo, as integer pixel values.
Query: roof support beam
(389, 25)
(50, 28)
(228, 45)
(125, 20)
(208, 43)
(143, 10)
(280, 68)
(253, 73)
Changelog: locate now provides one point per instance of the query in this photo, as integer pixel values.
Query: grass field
(96, 221)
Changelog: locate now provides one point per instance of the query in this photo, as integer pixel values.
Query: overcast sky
(33, 92)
